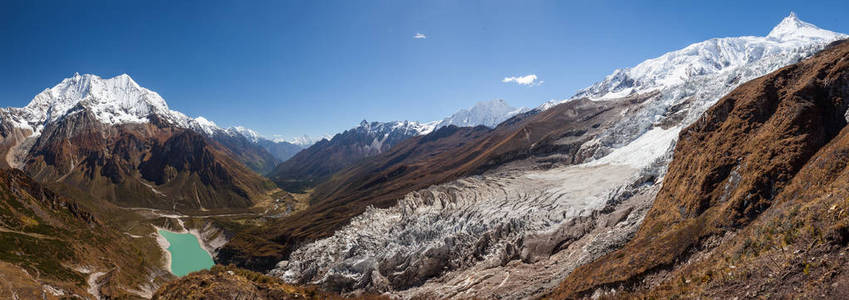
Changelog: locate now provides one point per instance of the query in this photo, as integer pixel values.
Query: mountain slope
(53, 247)
(255, 151)
(316, 163)
(764, 161)
(142, 165)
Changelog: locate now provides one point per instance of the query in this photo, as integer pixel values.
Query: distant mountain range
(316, 163)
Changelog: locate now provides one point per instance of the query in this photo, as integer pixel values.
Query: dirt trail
(30, 234)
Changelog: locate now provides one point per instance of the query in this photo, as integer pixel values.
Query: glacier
(514, 233)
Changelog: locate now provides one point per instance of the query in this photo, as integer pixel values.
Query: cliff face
(765, 157)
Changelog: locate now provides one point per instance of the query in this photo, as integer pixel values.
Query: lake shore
(164, 244)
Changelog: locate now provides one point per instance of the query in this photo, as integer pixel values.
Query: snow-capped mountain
(794, 29)
(249, 134)
(281, 150)
(791, 39)
(117, 100)
(129, 139)
(113, 101)
(304, 140)
(486, 113)
(120, 101)
(412, 128)
(682, 84)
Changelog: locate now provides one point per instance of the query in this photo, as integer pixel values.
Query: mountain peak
(303, 141)
(788, 24)
(712, 57)
(115, 100)
(487, 113)
(791, 27)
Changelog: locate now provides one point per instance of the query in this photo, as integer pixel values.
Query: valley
(717, 170)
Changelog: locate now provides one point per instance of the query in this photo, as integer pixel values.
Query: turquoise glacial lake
(186, 253)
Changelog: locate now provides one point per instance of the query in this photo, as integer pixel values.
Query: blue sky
(319, 67)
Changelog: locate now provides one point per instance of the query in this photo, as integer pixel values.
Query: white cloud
(419, 35)
(529, 80)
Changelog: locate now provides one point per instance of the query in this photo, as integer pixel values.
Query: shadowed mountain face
(142, 165)
(280, 150)
(256, 155)
(756, 184)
